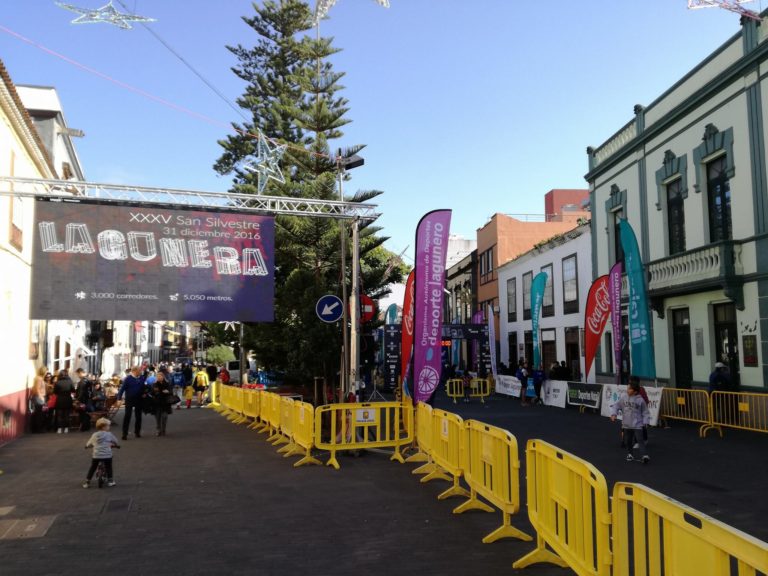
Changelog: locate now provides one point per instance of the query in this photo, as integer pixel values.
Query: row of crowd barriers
(299, 428)
(578, 525)
(475, 388)
(716, 410)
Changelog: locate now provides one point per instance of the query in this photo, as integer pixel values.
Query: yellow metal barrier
(213, 395)
(742, 410)
(251, 401)
(353, 426)
(423, 440)
(227, 401)
(264, 407)
(238, 405)
(285, 435)
(447, 451)
(479, 388)
(303, 439)
(653, 534)
(492, 470)
(454, 388)
(273, 416)
(568, 508)
(687, 405)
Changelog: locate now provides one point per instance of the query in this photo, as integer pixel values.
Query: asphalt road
(213, 497)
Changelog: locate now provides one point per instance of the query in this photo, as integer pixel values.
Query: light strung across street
(323, 6)
(107, 14)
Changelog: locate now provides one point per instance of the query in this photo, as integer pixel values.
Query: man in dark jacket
(83, 393)
(134, 389)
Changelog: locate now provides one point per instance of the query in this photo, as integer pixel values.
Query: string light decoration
(730, 5)
(323, 6)
(107, 14)
(266, 165)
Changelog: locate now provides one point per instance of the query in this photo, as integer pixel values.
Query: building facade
(505, 237)
(689, 173)
(567, 261)
(22, 154)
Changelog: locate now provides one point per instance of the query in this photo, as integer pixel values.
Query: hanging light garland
(323, 6)
(107, 14)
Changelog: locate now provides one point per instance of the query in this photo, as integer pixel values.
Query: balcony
(715, 266)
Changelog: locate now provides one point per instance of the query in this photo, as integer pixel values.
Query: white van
(233, 367)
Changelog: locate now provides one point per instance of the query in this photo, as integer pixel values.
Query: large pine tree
(292, 96)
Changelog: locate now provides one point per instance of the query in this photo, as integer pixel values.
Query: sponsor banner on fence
(612, 393)
(583, 394)
(508, 385)
(121, 262)
(554, 392)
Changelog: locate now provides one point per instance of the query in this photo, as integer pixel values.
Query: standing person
(719, 378)
(133, 388)
(224, 375)
(48, 413)
(538, 381)
(188, 373)
(201, 385)
(161, 402)
(634, 415)
(37, 401)
(63, 390)
(177, 382)
(102, 442)
(83, 393)
(189, 393)
(522, 376)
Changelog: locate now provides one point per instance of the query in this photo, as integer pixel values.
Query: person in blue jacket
(134, 389)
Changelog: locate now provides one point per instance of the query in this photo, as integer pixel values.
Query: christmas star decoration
(323, 6)
(107, 14)
(267, 157)
(228, 325)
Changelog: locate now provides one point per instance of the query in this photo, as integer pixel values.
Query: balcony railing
(716, 262)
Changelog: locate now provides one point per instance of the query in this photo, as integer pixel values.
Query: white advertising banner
(612, 392)
(508, 385)
(554, 392)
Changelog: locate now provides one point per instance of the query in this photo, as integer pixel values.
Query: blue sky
(479, 106)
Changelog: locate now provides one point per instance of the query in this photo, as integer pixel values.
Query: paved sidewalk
(213, 497)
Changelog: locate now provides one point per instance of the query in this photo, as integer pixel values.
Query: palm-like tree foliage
(293, 97)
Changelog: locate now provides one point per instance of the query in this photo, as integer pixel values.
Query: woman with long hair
(37, 401)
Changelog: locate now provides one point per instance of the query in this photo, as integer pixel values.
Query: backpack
(200, 379)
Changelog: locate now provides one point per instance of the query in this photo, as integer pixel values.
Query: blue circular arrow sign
(329, 308)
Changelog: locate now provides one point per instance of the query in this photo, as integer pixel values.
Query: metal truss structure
(730, 5)
(171, 197)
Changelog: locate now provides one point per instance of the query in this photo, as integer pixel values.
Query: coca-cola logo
(408, 316)
(602, 306)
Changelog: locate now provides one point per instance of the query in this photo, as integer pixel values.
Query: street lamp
(349, 368)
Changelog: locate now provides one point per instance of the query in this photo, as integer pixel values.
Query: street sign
(367, 308)
(329, 308)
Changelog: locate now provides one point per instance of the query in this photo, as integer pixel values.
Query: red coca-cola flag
(406, 345)
(595, 317)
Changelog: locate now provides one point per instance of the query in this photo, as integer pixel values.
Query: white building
(567, 260)
(22, 154)
(689, 173)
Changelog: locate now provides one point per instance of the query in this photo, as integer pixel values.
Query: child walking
(189, 393)
(634, 416)
(102, 442)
